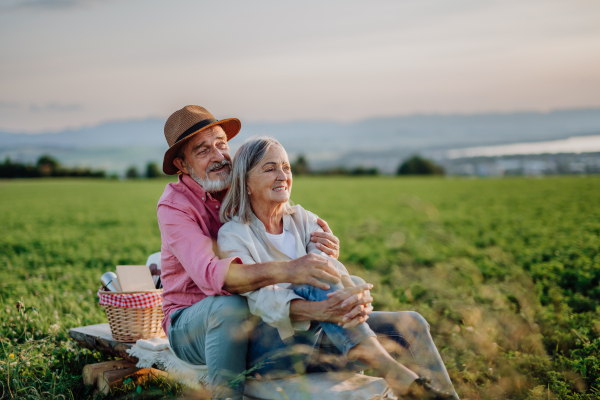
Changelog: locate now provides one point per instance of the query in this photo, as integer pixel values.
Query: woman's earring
(248, 193)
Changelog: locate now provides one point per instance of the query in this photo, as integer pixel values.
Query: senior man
(205, 321)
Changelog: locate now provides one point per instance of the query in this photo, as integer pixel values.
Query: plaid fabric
(137, 300)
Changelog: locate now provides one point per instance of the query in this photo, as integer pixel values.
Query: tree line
(152, 171)
(415, 165)
(47, 166)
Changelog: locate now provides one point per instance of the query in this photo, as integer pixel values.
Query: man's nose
(218, 155)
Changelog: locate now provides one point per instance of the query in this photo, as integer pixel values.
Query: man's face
(207, 159)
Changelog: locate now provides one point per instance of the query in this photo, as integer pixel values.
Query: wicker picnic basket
(134, 321)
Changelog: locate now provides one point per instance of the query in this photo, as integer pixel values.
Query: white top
(251, 244)
(285, 242)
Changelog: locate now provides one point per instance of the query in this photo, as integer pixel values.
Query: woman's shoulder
(234, 226)
(302, 215)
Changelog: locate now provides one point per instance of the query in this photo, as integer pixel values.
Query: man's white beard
(221, 182)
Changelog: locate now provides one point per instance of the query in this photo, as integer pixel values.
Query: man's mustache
(218, 165)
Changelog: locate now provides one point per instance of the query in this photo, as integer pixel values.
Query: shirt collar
(194, 187)
(286, 221)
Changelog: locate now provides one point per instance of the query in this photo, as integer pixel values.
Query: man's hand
(347, 307)
(312, 269)
(326, 241)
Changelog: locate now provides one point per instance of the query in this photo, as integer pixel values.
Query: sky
(71, 63)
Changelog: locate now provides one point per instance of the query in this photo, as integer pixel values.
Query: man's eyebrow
(196, 147)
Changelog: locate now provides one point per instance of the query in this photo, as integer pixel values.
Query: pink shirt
(189, 223)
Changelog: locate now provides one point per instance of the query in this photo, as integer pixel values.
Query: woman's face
(270, 182)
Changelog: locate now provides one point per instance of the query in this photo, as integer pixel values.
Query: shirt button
(203, 198)
(217, 206)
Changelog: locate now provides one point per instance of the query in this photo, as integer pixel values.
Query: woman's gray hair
(237, 201)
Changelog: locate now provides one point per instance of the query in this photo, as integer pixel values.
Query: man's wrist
(318, 311)
(282, 272)
(304, 310)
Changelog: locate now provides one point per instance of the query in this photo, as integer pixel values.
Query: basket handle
(136, 292)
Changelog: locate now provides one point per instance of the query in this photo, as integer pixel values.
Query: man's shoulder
(178, 198)
(170, 194)
(176, 193)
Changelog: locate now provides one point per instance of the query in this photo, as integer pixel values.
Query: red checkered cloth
(134, 300)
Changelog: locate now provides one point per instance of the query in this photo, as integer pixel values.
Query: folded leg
(212, 332)
(405, 335)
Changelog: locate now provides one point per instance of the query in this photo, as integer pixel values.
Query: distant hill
(380, 142)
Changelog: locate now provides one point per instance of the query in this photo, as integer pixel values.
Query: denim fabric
(344, 339)
(212, 332)
(404, 334)
(273, 357)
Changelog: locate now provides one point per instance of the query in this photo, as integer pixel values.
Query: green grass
(506, 271)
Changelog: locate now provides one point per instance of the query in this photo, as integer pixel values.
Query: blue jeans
(405, 335)
(343, 339)
(212, 332)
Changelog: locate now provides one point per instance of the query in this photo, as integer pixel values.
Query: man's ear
(181, 165)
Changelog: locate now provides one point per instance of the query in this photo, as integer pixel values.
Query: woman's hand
(326, 241)
(347, 307)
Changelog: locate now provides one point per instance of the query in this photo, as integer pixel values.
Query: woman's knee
(313, 293)
(408, 324)
(416, 321)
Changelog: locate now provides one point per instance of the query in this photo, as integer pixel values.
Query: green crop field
(506, 272)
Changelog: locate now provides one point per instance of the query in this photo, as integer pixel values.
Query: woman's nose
(281, 175)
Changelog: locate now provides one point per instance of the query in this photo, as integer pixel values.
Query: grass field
(506, 272)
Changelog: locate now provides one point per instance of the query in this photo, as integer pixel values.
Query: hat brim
(231, 126)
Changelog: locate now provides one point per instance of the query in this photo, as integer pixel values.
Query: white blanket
(157, 351)
(318, 386)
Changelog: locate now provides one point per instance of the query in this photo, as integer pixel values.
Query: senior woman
(261, 225)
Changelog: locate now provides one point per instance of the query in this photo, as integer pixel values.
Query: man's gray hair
(237, 201)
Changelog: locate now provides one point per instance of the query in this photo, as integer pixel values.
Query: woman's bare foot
(421, 389)
(405, 384)
(400, 380)
(371, 352)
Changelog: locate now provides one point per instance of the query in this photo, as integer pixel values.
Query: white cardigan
(250, 243)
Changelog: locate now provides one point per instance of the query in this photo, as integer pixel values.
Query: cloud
(50, 4)
(55, 108)
(7, 105)
(52, 107)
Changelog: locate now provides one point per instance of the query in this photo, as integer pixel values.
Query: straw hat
(185, 123)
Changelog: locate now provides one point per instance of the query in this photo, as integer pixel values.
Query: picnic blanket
(318, 386)
(158, 351)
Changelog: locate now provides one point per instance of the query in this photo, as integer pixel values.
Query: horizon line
(292, 121)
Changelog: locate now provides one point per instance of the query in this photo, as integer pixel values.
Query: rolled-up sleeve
(193, 250)
(272, 304)
(312, 226)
